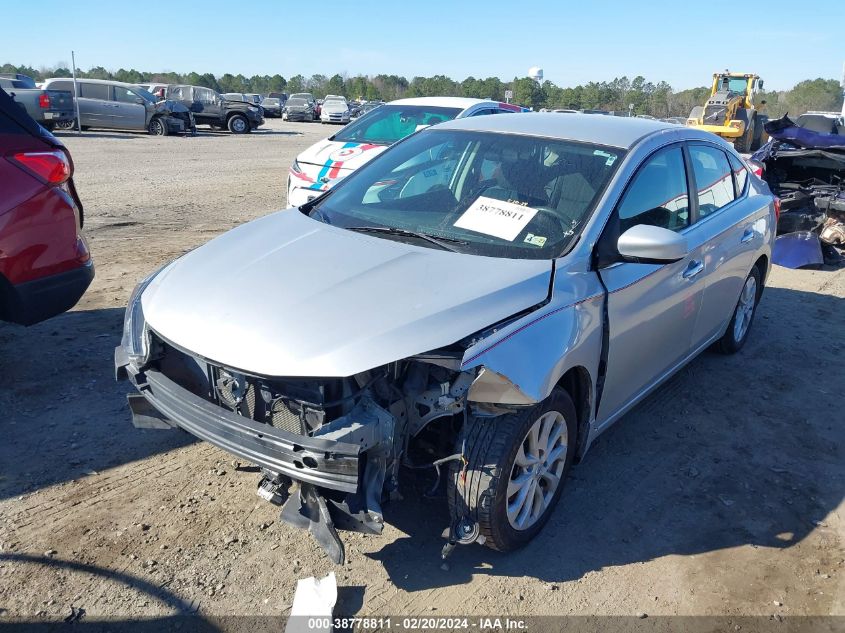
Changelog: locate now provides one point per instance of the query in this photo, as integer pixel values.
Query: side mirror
(652, 245)
(139, 101)
(760, 83)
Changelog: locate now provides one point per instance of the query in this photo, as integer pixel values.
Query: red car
(45, 265)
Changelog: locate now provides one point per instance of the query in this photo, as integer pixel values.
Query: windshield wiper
(443, 242)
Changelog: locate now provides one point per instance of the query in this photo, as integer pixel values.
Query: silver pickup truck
(48, 107)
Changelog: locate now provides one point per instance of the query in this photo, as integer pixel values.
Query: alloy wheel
(745, 308)
(537, 470)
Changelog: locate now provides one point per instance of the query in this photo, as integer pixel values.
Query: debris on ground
(313, 599)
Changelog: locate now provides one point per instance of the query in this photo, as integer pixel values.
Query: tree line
(621, 94)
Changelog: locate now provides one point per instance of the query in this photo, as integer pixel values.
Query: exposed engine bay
(386, 412)
(804, 165)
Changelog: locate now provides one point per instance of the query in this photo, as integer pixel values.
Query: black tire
(491, 444)
(66, 125)
(157, 127)
(731, 342)
(743, 143)
(238, 124)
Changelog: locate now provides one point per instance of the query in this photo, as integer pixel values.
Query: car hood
(287, 295)
(328, 161)
(338, 109)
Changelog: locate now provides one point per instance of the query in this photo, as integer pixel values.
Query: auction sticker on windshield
(498, 218)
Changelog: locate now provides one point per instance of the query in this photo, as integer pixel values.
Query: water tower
(536, 73)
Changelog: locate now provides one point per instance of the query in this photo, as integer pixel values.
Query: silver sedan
(475, 305)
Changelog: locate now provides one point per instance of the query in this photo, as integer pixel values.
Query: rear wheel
(238, 124)
(516, 466)
(743, 315)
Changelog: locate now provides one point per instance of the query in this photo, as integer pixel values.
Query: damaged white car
(482, 299)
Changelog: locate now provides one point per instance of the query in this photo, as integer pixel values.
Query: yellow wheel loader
(730, 111)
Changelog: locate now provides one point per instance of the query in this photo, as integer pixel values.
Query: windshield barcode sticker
(498, 218)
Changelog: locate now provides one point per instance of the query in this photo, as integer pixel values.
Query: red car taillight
(44, 100)
(51, 167)
(777, 208)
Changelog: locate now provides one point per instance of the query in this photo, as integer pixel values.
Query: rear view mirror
(652, 244)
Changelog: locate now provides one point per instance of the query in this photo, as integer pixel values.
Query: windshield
(337, 102)
(486, 193)
(147, 95)
(734, 84)
(297, 102)
(307, 96)
(270, 101)
(390, 123)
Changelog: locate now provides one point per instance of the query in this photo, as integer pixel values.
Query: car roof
(107, 82)
(612, 131)
(444, 102)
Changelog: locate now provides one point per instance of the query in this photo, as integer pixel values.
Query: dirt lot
(721, 494)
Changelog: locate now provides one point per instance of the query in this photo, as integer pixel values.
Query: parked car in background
(45, 264)
(335, 109)
(121, 106)
(25, 80)
(366, 107)
(272, 107)
(253, 98)
(494, 292)
(47, 107)
(316, 169)
(211, 108)
(298, 109)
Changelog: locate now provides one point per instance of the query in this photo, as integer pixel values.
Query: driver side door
(651, 307)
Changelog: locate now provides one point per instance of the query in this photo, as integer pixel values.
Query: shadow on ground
(734, 450)
(62, 413)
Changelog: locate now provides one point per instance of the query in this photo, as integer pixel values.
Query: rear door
(95, 105)
(128, 113)
(733, 229)
(651, 308)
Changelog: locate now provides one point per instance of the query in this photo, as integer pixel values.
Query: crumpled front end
(340, 441)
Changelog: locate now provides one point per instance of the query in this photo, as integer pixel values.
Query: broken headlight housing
(136, 338)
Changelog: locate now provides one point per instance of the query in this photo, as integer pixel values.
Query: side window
(484, 111)
(123, 95)
(205, 95)
(658, 194)
(94, 91)
(712, 177)
(740, 175)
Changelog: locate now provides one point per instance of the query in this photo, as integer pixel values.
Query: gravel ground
(722, 494)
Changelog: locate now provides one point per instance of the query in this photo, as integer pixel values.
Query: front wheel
(743, 315)
(516, 466)
(157, 127)
(238, 124)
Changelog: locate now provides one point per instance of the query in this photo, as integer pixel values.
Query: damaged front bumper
(323, 462)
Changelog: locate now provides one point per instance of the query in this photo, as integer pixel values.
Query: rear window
(61, 85)
(389, 123)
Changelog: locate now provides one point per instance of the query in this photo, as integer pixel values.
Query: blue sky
(574, 42)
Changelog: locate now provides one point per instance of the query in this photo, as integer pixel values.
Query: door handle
(747, 236)
(693, 270)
